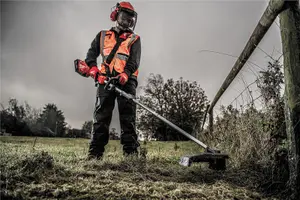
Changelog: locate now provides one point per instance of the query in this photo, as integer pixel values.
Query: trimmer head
(216, 160)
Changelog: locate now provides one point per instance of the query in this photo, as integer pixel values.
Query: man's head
(124, 15)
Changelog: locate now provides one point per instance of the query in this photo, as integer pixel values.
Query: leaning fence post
(265, 22)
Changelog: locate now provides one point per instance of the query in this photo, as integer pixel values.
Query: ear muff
(113, 15)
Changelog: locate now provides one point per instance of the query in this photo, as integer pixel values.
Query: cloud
(40, 41)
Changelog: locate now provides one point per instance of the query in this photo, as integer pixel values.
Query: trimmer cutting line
(215, 158)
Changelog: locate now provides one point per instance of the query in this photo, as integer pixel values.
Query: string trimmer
(215, 158)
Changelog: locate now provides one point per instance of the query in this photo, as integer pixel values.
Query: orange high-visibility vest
(107, 43)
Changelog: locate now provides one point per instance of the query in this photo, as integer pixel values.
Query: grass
(57, 168)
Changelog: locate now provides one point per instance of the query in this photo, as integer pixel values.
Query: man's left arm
(133, 61)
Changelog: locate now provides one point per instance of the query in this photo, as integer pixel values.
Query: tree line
(24, 120)
(180, 101)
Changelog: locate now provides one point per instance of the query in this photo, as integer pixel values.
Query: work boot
(95, 153)
(130, 151)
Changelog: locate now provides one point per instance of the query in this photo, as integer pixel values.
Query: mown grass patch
(57, 168)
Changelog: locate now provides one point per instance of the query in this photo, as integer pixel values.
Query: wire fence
(248, 118)
(244, 91)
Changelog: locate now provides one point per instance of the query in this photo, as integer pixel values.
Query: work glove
(101, 79)
(123, 78)
(93, 72)
(83, 68)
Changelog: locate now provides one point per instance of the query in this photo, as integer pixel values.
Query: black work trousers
(105, 103)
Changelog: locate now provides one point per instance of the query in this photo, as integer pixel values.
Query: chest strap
(110, 57)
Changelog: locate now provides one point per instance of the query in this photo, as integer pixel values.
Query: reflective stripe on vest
(107, 43)
(122, 56)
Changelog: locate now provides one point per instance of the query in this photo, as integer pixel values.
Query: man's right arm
(93, 52)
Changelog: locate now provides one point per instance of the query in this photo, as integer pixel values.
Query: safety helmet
(126, 11)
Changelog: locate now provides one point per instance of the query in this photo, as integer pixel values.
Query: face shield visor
(126, 19)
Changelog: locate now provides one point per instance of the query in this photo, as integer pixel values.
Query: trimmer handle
(109, 85)
(111, 81)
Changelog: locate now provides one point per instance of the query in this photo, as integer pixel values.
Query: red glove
(101, 79)
(83, 68)
(93, 72)
(123, 78)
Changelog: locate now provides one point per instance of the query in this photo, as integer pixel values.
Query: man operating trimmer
(120, 49)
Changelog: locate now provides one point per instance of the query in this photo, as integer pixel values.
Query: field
(56, 168)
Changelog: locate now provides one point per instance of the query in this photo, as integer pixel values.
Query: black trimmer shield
(217, 161)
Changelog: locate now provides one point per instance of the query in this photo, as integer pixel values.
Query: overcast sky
(40, 40)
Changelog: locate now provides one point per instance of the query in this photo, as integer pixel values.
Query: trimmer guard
(217, 161)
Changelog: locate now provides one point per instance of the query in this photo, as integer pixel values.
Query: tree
(52, 121)
(16, 110)
(12, 118)
(87, 127)
(8, 122)
(181, 102)
(75, 133)
(31, 118)
(270, 84)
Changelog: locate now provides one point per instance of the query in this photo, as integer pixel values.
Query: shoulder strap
(109, 58)
(120, 39)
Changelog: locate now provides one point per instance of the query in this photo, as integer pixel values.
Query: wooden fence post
(290, 34)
